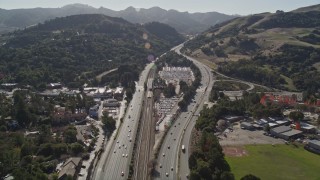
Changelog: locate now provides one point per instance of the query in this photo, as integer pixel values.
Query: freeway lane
(183, 161)
(117, 160)
(146, 137)
(169, 153)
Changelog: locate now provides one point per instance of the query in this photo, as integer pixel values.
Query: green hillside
(288, 43)
(74, 49)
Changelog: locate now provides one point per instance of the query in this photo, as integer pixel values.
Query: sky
(241, 7)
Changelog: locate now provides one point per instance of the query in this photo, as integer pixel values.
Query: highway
(114, 162)
(146, 137)
(183, 157)
(180, 132)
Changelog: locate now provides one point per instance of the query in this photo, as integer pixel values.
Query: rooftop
(316, 142)
(292, 132)
(69, 167)
(281, 129)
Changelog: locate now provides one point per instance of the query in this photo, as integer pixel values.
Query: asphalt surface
(145, 138)
(170, 165)
(114, 164)
(207, 78)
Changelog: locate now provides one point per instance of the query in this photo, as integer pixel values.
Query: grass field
(280, 162)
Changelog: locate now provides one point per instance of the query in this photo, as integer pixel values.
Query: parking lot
(240, 136)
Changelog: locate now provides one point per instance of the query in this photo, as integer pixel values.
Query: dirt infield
(236, 151)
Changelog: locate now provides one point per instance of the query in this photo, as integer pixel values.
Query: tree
(227, 176)
(70, 135)
(296, 116)
(250, 177)
(76, 148)
(169, 91)
(109, 123)
(192, 161)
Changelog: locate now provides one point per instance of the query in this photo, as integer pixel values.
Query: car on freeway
(167, 174)
(163, 154)
(168, 147)
(160, 165)
(122, 155)
(171, 168)
(122, 173)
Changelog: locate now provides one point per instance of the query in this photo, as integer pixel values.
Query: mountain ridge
(183, 22)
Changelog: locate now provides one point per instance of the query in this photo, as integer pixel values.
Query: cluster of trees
(295, 62)
(250, 71)
(109, 124)
(35, 112)
(74, 49)
(126, 75)
(169, 91)
(248, 105)
(292, 19)
(208, 162)
(311, 38)
(35, 157)
(31, 110)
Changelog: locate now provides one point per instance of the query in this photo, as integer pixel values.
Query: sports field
(279, 162)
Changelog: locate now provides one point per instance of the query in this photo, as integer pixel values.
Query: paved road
(115, 163)
(207, 78)
(168, 159)
(145, 138)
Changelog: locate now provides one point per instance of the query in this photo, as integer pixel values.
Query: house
(70, 167)
(285, 132)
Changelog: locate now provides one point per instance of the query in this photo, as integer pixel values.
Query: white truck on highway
(183, 149)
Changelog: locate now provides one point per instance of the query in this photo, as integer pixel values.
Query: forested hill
(74, 49)
(279, 49)
(183, 22)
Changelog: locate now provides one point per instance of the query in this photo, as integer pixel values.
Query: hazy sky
(241, 7)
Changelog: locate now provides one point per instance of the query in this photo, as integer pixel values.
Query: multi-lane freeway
(172, 164)
(114, 162)
(146, 137)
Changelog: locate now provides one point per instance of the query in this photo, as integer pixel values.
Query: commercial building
(285, 132)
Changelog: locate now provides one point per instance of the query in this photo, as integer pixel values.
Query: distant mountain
(279, 49)
(76, 48)
(183, 22)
